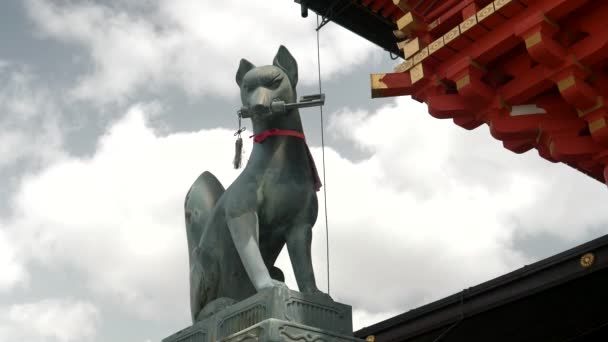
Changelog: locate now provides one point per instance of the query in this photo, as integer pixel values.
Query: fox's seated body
(235, 235)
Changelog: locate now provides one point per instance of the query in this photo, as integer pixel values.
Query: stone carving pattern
(250, 336)
(312, 314)
(294, 334)
(198, 336)
(242, 320)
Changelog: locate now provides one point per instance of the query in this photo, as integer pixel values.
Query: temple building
(534, 72)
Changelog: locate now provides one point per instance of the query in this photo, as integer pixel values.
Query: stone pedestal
(276, 314)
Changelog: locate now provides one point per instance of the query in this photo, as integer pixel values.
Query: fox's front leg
(244, 231)
(299, 242)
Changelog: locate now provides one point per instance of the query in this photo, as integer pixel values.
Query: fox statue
(236, 234)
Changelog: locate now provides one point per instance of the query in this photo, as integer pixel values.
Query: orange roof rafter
(480, 62)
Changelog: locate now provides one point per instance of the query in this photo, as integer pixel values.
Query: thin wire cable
(447, 331)
(323, 153)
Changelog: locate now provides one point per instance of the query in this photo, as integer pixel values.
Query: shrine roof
(376, 20)
(376, 26)
(533, 71)
(560, 298)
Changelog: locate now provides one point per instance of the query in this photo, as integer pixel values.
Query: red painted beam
(512, 9)
(447, 7)
(448, 106)
(525, 86)
(504, 38)
(391, 84)
(518, 146)
(389, 10)
(541, 46)
(506, 127)
(376, 5)
(573, 149)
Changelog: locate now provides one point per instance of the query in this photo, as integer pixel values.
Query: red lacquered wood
(548, 57)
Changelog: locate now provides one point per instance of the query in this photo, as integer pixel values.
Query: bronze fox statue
(235, 235)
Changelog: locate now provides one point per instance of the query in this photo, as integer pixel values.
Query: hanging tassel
(238, 144)
(238, 152)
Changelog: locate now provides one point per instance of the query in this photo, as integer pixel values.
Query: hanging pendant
(238, 153)
(238, 145)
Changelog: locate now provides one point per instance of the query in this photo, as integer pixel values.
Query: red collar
(258, 138)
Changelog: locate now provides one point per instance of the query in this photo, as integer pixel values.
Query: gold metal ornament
(587, 260)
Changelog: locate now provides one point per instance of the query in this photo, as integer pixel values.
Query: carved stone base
(276, 314)
(274, 330)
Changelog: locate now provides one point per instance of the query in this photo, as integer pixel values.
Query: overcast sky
(109, 110)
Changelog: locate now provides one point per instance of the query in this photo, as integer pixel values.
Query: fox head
(262, 85)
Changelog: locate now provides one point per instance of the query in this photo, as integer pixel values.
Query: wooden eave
(560, 298)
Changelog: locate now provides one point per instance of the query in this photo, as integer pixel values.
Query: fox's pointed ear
(244, 67)
(285, 61)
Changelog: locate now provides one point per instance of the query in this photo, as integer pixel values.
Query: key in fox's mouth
(259, 109)
(247, 112)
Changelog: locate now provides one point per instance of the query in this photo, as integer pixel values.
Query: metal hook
(239, 131)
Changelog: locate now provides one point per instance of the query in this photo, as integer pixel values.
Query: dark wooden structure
(562, 298)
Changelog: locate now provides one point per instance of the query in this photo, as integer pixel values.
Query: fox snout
(257, 103)
(259, 100)
(258, 97)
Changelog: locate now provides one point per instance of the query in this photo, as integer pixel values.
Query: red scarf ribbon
(260, 137)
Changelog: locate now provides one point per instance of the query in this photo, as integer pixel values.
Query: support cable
(323, 153)
(462, 316)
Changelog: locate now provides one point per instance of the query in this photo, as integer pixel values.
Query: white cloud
(49, 320)
(13, 272)
(432, 210)
(29, 135)
(117, 217)
(189, 44)
(433, 157)
(362, 318)
(29, 127)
